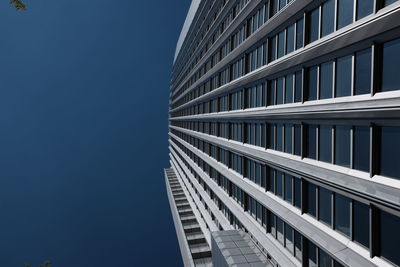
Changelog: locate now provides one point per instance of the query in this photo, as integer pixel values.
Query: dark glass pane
(328, 17)
(312, 83)
(279, 230)
(342, 214)
(361, 148)
(390, 147)
(288, 188)
(390, 236)
(312, 255)
(282, 4)
(289, 88)
(314, 25)
(272, 44)
(361, 223)
(273, 6)
(342, 145)
(311, 141)
(297, 192)
(271, 177)
(271, 135)
(288, 138)
(290, 39)
(325, 206)
(279, 183)
(362, 80)
(345, 12)
(273, 224)
(311, 199)
(325, 143)
(279, 91)
(390, 69)
(343, 76)
(281, 44)
(388, 2)
(297, 139)
(279, 137)
(324, 260)
(298, 86)
(297, 245)
(289, 238)
(364, 8)
(299, 34)
(271, 93)
(326, 82)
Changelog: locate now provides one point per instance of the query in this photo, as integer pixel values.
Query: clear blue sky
(83, 132)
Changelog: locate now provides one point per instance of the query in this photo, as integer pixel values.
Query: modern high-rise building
(284, 133)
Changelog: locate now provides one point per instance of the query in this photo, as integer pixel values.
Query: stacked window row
(260, 16)
(350, 75)
(223, 183)
(330, 79)
(291, 239)
(369, 148)
(196, 40)
(363, 223)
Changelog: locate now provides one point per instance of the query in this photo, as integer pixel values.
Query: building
(284, 123)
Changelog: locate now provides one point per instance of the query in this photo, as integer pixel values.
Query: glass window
(281, 44)
(362, 82)
(326, 82)
(342, 214)
(279, 91)
(390, 69)
(279, 137)
(289, 88)
(297, 192)
(271, 93)
(311, 141)
(298, 86)
(279, 183)
(342, 145)
(297, 139)
(364, 8)
(388, 2)
(271, 135)
(325, 206)
(274, 7)
(312, 255)
(361, 148)
(288, 188)
(343, 76)
(314, 25)
(328, 17)
(390, 236)
(361, 223)
(279, 230)
(311, 199)
(272, 43)
(273, 225)
(299, 34)
(312, 83)
(324, 259)
(345, 12)
(390, 146)
(289, 238)
(325, 143)
(290, 39)
(297, 245)
(288, 138)
(282, 4)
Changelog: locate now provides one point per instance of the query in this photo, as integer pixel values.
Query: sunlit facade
(284, 122)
